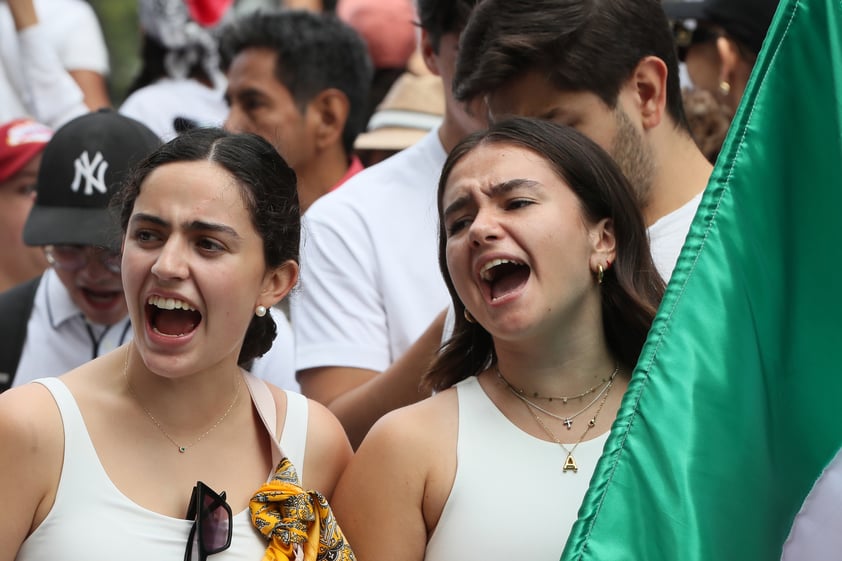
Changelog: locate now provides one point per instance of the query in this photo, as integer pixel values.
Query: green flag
(735, 408)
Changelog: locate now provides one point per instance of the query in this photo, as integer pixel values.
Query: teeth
(169, 303)
(485, 271)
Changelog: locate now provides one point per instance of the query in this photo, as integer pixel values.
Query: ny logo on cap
(85, 169)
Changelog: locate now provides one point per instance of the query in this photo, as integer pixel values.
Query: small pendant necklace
(568, 419)
(182, 448)
(569, 460)
(562, 398)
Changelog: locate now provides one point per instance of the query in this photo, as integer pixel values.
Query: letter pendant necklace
(569, 460)
(182, 448)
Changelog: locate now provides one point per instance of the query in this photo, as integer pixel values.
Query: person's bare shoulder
(31, 453)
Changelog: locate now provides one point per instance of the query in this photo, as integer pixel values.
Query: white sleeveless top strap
(293, 442)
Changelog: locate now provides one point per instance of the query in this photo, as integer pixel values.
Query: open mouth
(504, 276)
(171, 317)
(101, 297)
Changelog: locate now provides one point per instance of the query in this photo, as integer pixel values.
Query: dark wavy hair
(632, 288)
(268, 186)
(579, 45)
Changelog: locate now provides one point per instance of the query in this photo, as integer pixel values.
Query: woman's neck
(555, 372)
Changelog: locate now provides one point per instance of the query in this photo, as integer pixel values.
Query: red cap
(387, 27)
(20, 141)
(208, 13)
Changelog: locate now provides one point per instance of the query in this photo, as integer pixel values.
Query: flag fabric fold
(733, 411)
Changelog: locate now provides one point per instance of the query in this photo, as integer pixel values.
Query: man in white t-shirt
(615, 79)
(45, 43)
(370, 285)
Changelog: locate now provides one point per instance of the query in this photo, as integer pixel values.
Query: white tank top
(92, 520)
(510, 498)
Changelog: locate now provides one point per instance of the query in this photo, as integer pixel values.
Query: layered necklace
(605, 384)
(533, 408)
(182, 448)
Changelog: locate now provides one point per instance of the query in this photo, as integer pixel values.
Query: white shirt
(667, 236)
(91, 519)
(370, 283)
(71, 29)
(59, 339)
(157, 105)
(510, 498)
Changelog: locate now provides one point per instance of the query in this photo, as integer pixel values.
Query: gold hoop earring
(600, 274)
(468, 317)
(260, 311)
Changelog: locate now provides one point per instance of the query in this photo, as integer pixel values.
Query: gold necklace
(182, 448)
(567, 419)
(569, 460)
(562, 398)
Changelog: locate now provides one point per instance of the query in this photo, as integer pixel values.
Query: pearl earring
(260, 311)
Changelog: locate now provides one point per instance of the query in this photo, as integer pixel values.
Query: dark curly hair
(268, 186)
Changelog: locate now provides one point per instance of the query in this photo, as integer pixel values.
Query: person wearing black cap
(78, 310)
(719, 40)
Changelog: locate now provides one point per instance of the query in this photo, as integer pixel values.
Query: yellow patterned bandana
(299, 524)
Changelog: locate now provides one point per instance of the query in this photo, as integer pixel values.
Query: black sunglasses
(212, 527)
(686, 37)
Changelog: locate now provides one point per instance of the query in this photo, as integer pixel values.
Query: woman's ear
(728, 57)
(277, 283)
(604, 243)
(729, 60)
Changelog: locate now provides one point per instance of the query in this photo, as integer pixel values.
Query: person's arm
(52, 95)
(94, 88)
(360, 397)
(30, 462)
(327, 451)
(379, 502)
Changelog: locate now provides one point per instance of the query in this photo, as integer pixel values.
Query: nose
(233, 122)
(484, 227)
(96, 272)
(171, 263)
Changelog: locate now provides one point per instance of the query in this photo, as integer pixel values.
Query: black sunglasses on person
(212, 523)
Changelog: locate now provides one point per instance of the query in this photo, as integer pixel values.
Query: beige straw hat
(413, 106)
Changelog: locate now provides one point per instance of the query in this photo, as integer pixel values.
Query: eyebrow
(550, 115)
(496, 190)
(194, 226)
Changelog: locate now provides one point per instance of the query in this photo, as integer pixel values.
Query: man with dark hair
(300, 80)
(607, 68)
(370, 284)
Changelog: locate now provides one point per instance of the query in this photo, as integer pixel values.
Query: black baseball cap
(747, 21)
(82, 166)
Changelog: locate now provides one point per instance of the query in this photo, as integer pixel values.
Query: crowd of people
(331, 270)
